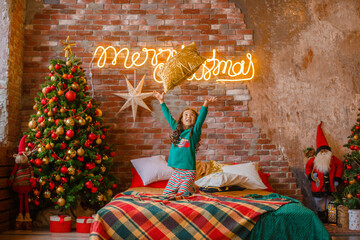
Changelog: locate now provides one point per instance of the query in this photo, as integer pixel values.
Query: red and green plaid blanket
(131, 215)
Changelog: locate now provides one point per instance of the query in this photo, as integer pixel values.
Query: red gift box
(60, 223)
(83, 224)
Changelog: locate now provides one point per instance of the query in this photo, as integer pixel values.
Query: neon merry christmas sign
(238, 71)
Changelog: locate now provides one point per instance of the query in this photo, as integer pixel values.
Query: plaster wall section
(309, 72)
(4, 52)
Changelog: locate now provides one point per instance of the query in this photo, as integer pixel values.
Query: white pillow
(221, 179)
(152, 169)
(248, 170)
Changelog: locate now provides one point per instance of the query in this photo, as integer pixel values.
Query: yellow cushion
(180, 67)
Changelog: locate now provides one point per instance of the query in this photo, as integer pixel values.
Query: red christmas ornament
(33, 183)
(358, 195)
(80, 158)
(63, 170)
(47, 90)
(358, 177)
(89, 184)
(51, 186)
(32, 161)
(94, 189)
(57, 121)
(98, 156)
(348, 167)
(53, 135)
(43, 101)
(87, 144)
(38, 162)
(92, 136)
(70, 96)
(89, 105)
(55, 99)
(90, 165)
(46, 110)
(54, 110)
(70, 133)
(356, 148)
(40, 170)
(38, 135)
(114, 186)
(112, 154)
(357, 127)
(41, 119)
(346, 182)
(352, 147)
(57, 66)
(50, 74)
(63, 146)
(64, 180)
(73, 69)
(102, 136)
(70, 76)
(52, 87)
(36, 202)
(107, 147)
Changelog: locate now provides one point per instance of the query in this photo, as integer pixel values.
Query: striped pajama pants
(181, 182)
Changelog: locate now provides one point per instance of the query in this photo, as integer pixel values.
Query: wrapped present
(60, 223)
(83, 224)
(332, 212)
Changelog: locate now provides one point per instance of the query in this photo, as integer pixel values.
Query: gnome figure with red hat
(325, 172)
(21, 180)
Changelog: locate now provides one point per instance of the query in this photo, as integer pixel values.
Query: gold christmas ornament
(356, 137)
(105, 158)
(74, 86)
(98, 161)
(57, 177)
(45, 160)
(48, 146)
(67, 158)
(27, 149)
(100, 197)
(67, 138)
(43, 90)
(80, 152)
(69, 122)
(103, 169)
(51, 67)
(47, 194)
(71, 152)
(50, 114)
(71, 170)
(349, 196)
(53, 78)
(82, 121)
(50, 119)
(134, 97)
(41, 149)
(61, 202)
(353, 181)
(83, 79)
(99, 112)
(42, 124)
(35, 107)
(62, 110)
(109, 192)
(60, 190)
(68, 63)
(32, 124)
(42, 181)
(72, 178)
(38, 113)
(88, 119)
(98, 141)
(60, 130)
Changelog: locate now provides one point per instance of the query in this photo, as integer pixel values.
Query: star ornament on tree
(134, 97)
(67, 48)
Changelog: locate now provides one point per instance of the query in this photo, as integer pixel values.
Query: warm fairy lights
(236, 71)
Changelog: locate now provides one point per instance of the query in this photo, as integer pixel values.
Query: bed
(142, 212)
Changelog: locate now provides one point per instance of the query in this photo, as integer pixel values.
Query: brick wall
(228, 133)
(13, 87)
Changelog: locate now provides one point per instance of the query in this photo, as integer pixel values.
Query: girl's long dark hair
(175, 136)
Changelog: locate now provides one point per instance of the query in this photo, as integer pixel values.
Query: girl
(184, 143)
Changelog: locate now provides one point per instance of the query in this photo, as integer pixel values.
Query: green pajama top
(182, 155)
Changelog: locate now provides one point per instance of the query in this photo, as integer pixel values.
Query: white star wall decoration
(134, 97)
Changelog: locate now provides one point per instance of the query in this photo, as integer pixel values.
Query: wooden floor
(46, 235)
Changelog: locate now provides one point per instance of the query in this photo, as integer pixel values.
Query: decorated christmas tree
(72, 159)
(350, 195)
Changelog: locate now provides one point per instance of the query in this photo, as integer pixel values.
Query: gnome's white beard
(322, 161)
